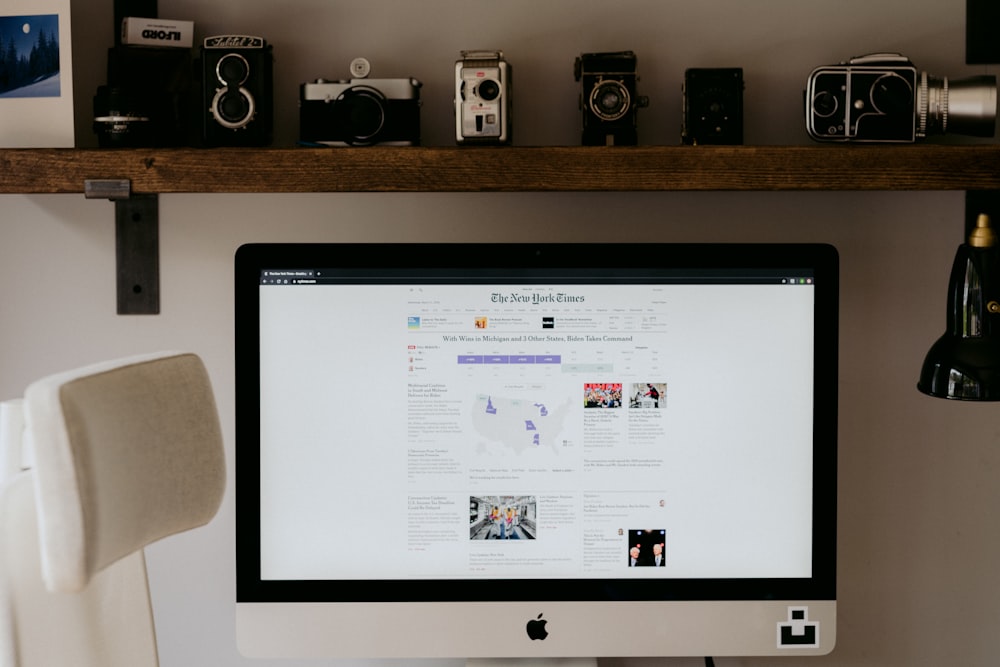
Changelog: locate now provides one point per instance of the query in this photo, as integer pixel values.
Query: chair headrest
(126, 452)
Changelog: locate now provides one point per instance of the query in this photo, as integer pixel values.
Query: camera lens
(609, 100)
(116, 122)
(361, 113)
(232, 68)
(966, 106)
(233, 109)
(488, 90)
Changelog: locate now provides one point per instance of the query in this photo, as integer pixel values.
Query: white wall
(918, 534)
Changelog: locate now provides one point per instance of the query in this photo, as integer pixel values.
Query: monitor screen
(536, 450)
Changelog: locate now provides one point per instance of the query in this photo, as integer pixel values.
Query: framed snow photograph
(36, 74)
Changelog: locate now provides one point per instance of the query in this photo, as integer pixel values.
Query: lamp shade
(964, 363)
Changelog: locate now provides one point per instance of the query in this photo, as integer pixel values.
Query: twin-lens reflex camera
(882, 97)
(238, 89)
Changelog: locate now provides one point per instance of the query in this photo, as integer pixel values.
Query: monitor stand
(531, 662)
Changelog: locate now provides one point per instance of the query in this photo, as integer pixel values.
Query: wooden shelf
(506, 169)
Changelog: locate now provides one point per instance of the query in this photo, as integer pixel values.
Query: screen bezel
(818, 259)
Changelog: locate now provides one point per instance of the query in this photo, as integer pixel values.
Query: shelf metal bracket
(137, 244)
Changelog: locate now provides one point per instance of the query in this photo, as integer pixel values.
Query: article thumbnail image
(29, 56)
(502, 517)
(647, 548)
(648, 395)
(602, 395)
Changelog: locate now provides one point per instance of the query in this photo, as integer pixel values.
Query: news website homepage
(536, 430)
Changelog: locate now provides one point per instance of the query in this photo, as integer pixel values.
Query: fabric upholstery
(126, 453)
(14, 457)
(109, 624)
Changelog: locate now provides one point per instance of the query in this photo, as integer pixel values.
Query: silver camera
(883, 98)
(482, 98)
(360, 111)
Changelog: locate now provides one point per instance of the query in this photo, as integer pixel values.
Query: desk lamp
(964, 364)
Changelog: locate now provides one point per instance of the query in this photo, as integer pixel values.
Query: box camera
(883, 98)
(237, 90)
(713, 106)
(482, 98)
(608, 98)
(360, 111)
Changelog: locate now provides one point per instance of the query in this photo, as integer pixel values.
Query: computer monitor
(535, 450)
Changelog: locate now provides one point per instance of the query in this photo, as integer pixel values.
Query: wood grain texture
(506, 169)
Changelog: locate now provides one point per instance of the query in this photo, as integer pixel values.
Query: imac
(536, 450)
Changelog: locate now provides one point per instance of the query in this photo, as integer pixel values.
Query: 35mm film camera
(482, 98)
(608, 98)
(360, 111)
(883, 98)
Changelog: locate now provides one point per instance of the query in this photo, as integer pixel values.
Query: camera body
(482, 98)
(149, 98)
(360, 111)
(238, 90)
(713, 106)
(882, 97)
(608, 98)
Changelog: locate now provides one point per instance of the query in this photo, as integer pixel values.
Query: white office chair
(113, 457)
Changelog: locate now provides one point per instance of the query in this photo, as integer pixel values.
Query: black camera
(360, 111)
(608, 98)
(713, 106)
(238, 90)
(883, 98)
(148, 99)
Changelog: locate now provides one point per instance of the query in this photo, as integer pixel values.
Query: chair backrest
(124, 453)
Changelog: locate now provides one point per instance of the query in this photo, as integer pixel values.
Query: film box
(157, 32)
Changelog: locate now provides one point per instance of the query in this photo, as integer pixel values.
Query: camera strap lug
(137, 244)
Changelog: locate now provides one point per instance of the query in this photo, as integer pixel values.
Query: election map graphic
(518, 424)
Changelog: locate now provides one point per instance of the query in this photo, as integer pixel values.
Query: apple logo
(536, 628)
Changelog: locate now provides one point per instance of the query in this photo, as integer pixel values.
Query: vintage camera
(238, 90)
(148, 99)
(360, 111)
(608, 98)
(883, 98)
(482, 98)
(713, 106)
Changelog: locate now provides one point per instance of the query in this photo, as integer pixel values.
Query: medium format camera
(713, 106)
(482, 98)
(238, 90)
(883, 98)
(148, 100)
(360, 111)
(608, 98)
